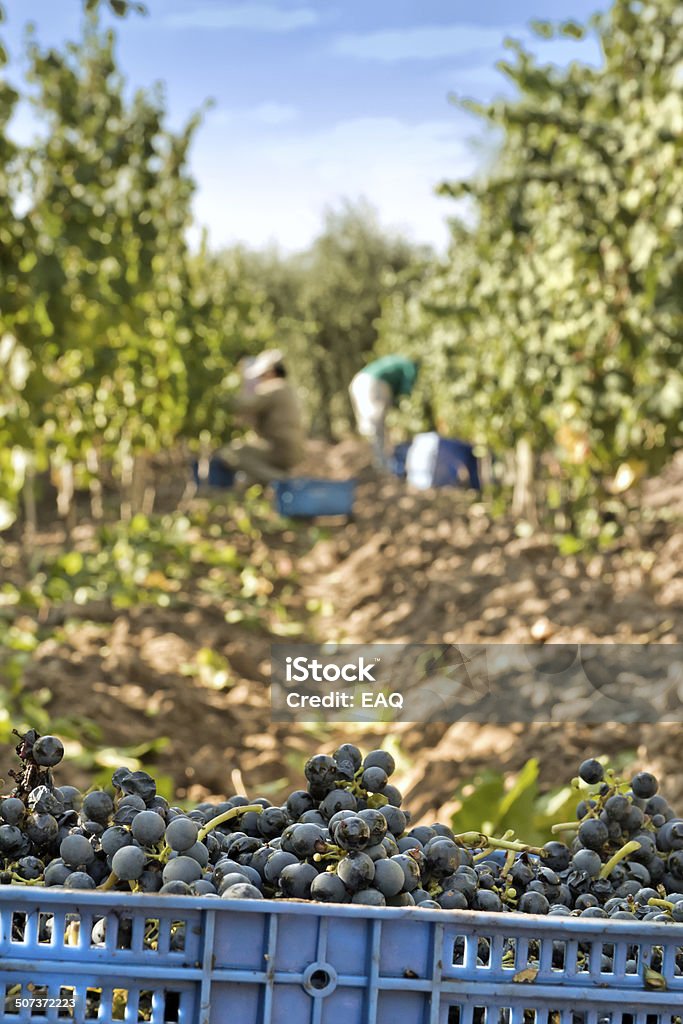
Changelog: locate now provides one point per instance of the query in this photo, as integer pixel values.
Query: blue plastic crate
(397, 462)
(219, 475)
(276, 962)
(304, 496)
(434, 461)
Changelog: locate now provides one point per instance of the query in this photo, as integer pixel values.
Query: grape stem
(624, 852)
(478, 839)
(664, 904)
(108, 883)
(234, 812)
(565, 826)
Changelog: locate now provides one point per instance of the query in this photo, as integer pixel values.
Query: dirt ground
(412, 566)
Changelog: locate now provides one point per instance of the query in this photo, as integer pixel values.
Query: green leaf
(71, 563)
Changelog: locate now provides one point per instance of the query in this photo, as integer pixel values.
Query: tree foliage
(557, 318)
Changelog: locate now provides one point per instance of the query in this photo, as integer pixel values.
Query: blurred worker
(270, 405)
(374, 390)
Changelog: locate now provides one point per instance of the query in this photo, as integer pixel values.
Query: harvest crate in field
(112, 956)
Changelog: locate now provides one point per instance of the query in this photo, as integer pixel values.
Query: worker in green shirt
(374, 390)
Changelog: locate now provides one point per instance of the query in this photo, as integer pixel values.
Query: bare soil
(429, 566)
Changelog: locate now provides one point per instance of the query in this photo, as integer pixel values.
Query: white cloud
(421, 42)
(256, 17)
(268, 113)
(261, 191)
(432, 42)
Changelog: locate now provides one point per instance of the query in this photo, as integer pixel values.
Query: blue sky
(319, 101)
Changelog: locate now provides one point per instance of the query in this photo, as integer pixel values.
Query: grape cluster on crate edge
(343, 839)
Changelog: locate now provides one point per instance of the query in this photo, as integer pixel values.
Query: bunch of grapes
(345, 838)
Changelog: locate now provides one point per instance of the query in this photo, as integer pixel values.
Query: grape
(348, 753)
(392, 795)
(374, 780)
(380, 759)
(232, 878)
(450, 899)
(313, 818)
(75, 850)
(55, 837)
(321, 771)
(352, 833)
(329, 888)
(337, 800)
(150, 880)
(276, 863)
(593, 834)
(148, 827)
(181, 834)
(296, 879)
(487, 900)
(43, 800)
(71, 797)
(30, 867)
(644, 785)
(182, 869)
(411, 871)
(47, 751)
(299, 802)
(41, 829)
(377, 824)
(97, 805)
(198, 852)
(128, 863)
(271, 822)
(56, 873)
(356, 870)
(202, 888)
(305, 840)
(617, 807)
(404, 899)
(389, 877)
(533, 903)
(140, 784)
(406, 843)
(114, 838)
(395, 819)
(591, 771)
(242, 891)
(79, 880)
(175, 888)
(369, 897)
(12, 810)
(442, 858)
(243, 847)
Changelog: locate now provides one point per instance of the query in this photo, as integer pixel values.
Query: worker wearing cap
(374, 390)
(271, 406)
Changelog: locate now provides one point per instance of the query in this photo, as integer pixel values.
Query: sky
(319, 101)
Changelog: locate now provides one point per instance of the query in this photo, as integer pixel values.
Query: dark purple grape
(591, 771)
(356, 870)
(295, 880)
(47, 751)
(593, 834)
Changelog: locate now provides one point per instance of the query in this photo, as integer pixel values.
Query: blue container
(397, 462)
(305, 497)
(211, 961)
(220, 475)
(434, 461)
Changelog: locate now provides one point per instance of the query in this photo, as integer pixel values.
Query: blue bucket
(220, 475)
(434, 461)
(305, 496)
(397, 462)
